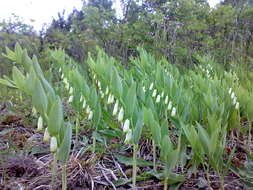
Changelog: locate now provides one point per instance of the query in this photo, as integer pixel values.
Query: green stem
(154, 155)
(64, 177)
(207, 176)
(165, 183)
(54, 168)
(222, 181)
(135, 148)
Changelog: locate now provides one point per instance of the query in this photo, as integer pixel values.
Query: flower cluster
(128, 131)
(234, 99)
(158, 98)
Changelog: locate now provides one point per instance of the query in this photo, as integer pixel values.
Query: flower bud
(151, 86)
(112, 99)
(67, 86)
(234, 100)
(99, 84)
(237, 106)
(230, 90)
(106, 90)
(126, 126)
(53, 144)
(232, 95)
(166, 100)
(40, 124)
(90, 115)
(81, 98)
(154, 93)
(144, 89)
(88, 109)
(62, 76)
(115, 109)
(46, 136)
(84, 103)
(162, 95)
(71, 99)
(109, 99)
(173, 112)
(34, 111)
(102, 95)
(65, 81)
(121, 114)
(71, 90)
(128, 136)
(170, 105)
(157, 99)
(60, 70)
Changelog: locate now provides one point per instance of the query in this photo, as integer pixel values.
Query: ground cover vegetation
(159, 98)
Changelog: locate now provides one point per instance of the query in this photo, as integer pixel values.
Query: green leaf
(138, 128)
(116, 83)
(18, 78)
(156, 132)
(204, 138)
(129, 161)
(55, 118)
(39, 98)
(97, 115)
(7, 83)
(130, 100)
(37, 67)
(64, 149)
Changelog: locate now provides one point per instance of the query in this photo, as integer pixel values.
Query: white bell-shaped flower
(88, 109)
(53, 144)
(232, 95)
(234, 100)
(67, 86)
(158, 99)
(81, 98)
(106, 90)
(40, 124)
(151, 86)
(46, 136)
(166, 100)
(34, 111)
(237, 105)
(84, 103)
(121, 114)
(99, 84)
(230, 90)
(126, 126)
(162, 95)
(110, 99)
(128, 136)
(102, 95)
(71, 99)
(115, 109)
(170, 105)
(65, 81)
(173, 112)
(71, 90)
(154, 93)
(90, 116)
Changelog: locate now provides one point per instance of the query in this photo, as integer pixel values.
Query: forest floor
(25, 162)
